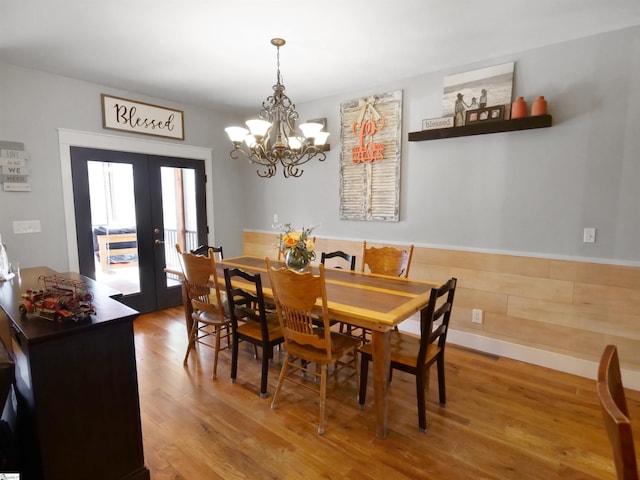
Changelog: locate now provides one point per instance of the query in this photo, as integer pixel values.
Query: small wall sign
(138, 117)
(433, 123)
(14, 174)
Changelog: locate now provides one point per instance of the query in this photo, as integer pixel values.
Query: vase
(519, 108)
(539, 107)
(296, 260)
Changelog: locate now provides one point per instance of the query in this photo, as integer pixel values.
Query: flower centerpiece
(298, 247)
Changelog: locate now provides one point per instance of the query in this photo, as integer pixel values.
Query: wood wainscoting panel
(487, 262)
(596, 273)
(611, 300)
(567, 307)
(586, 317)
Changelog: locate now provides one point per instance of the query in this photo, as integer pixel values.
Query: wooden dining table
(376, 302)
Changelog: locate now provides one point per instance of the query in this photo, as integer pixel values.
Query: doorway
(130, 211)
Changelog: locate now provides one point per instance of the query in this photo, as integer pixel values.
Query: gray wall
(530, 192)
(35, 104)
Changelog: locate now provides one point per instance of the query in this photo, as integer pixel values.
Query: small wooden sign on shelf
(433, 123)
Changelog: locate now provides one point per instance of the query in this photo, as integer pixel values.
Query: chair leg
(265, 371)
(364, 371)
(192, 342)
(442, 391)
(235, 345)
(420, 394)
(283, 373)
(217, 332)
(323, 396)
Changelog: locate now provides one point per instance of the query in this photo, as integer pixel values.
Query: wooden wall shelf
(526, 123)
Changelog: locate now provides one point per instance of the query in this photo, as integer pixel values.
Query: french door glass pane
(113, 224)
(179, 215)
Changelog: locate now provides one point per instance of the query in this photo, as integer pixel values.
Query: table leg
(381, 345)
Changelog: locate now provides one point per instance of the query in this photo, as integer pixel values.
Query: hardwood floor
(504, 420)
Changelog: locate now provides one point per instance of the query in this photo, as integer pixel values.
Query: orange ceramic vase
(539, 107)
(519, 108)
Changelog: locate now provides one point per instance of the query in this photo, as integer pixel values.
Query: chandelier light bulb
(236, 134)
(258, 127)
(250, 140)
(311, 129)
(295, 143)
(321, 138)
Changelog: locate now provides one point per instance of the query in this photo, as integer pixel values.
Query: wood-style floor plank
(504, 419)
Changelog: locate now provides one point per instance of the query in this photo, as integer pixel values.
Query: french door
(131, 210)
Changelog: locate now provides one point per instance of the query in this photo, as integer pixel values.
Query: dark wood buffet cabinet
(77, 404)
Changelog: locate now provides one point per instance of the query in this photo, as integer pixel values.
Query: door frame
(68, 138)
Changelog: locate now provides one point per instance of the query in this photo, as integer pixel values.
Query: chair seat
(209, 318)
(254, 330)
(404, 349)
(340, 345)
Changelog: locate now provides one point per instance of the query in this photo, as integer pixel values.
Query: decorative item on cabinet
(539, 107)
(519, 108)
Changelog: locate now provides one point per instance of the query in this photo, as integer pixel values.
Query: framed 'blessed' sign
(138, 117)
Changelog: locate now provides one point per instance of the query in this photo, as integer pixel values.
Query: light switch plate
(26, 226)
(589, 235)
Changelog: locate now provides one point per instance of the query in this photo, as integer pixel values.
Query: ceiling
(218, 53)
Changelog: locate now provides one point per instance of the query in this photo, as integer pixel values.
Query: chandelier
(273, 138)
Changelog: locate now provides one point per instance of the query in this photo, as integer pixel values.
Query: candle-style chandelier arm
(255, 157)
(292, 161)
(275, 138)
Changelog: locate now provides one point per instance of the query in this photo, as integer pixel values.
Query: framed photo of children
(490, 114)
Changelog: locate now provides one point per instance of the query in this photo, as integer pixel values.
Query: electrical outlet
(26, 226)
(589, 235)
(476, 315)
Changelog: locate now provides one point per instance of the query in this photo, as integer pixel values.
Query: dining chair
(250, 320)
(204, 249)
(210, 317)
(340, 255)
(616, 414)
(281, 252)
(295, 297)
(415, 355)
(387, 260)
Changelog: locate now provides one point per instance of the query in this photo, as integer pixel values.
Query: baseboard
(536, 356)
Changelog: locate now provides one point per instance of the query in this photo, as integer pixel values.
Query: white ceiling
(218, 53)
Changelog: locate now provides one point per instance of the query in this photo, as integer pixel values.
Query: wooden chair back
(246, 301)
(296, 295)
(339, 254)
(281, 252)
(616, 414)
(201, 281)
(434, 320)
(204, 250)
(387, 260)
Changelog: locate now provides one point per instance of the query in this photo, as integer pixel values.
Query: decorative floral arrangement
(299, 241)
